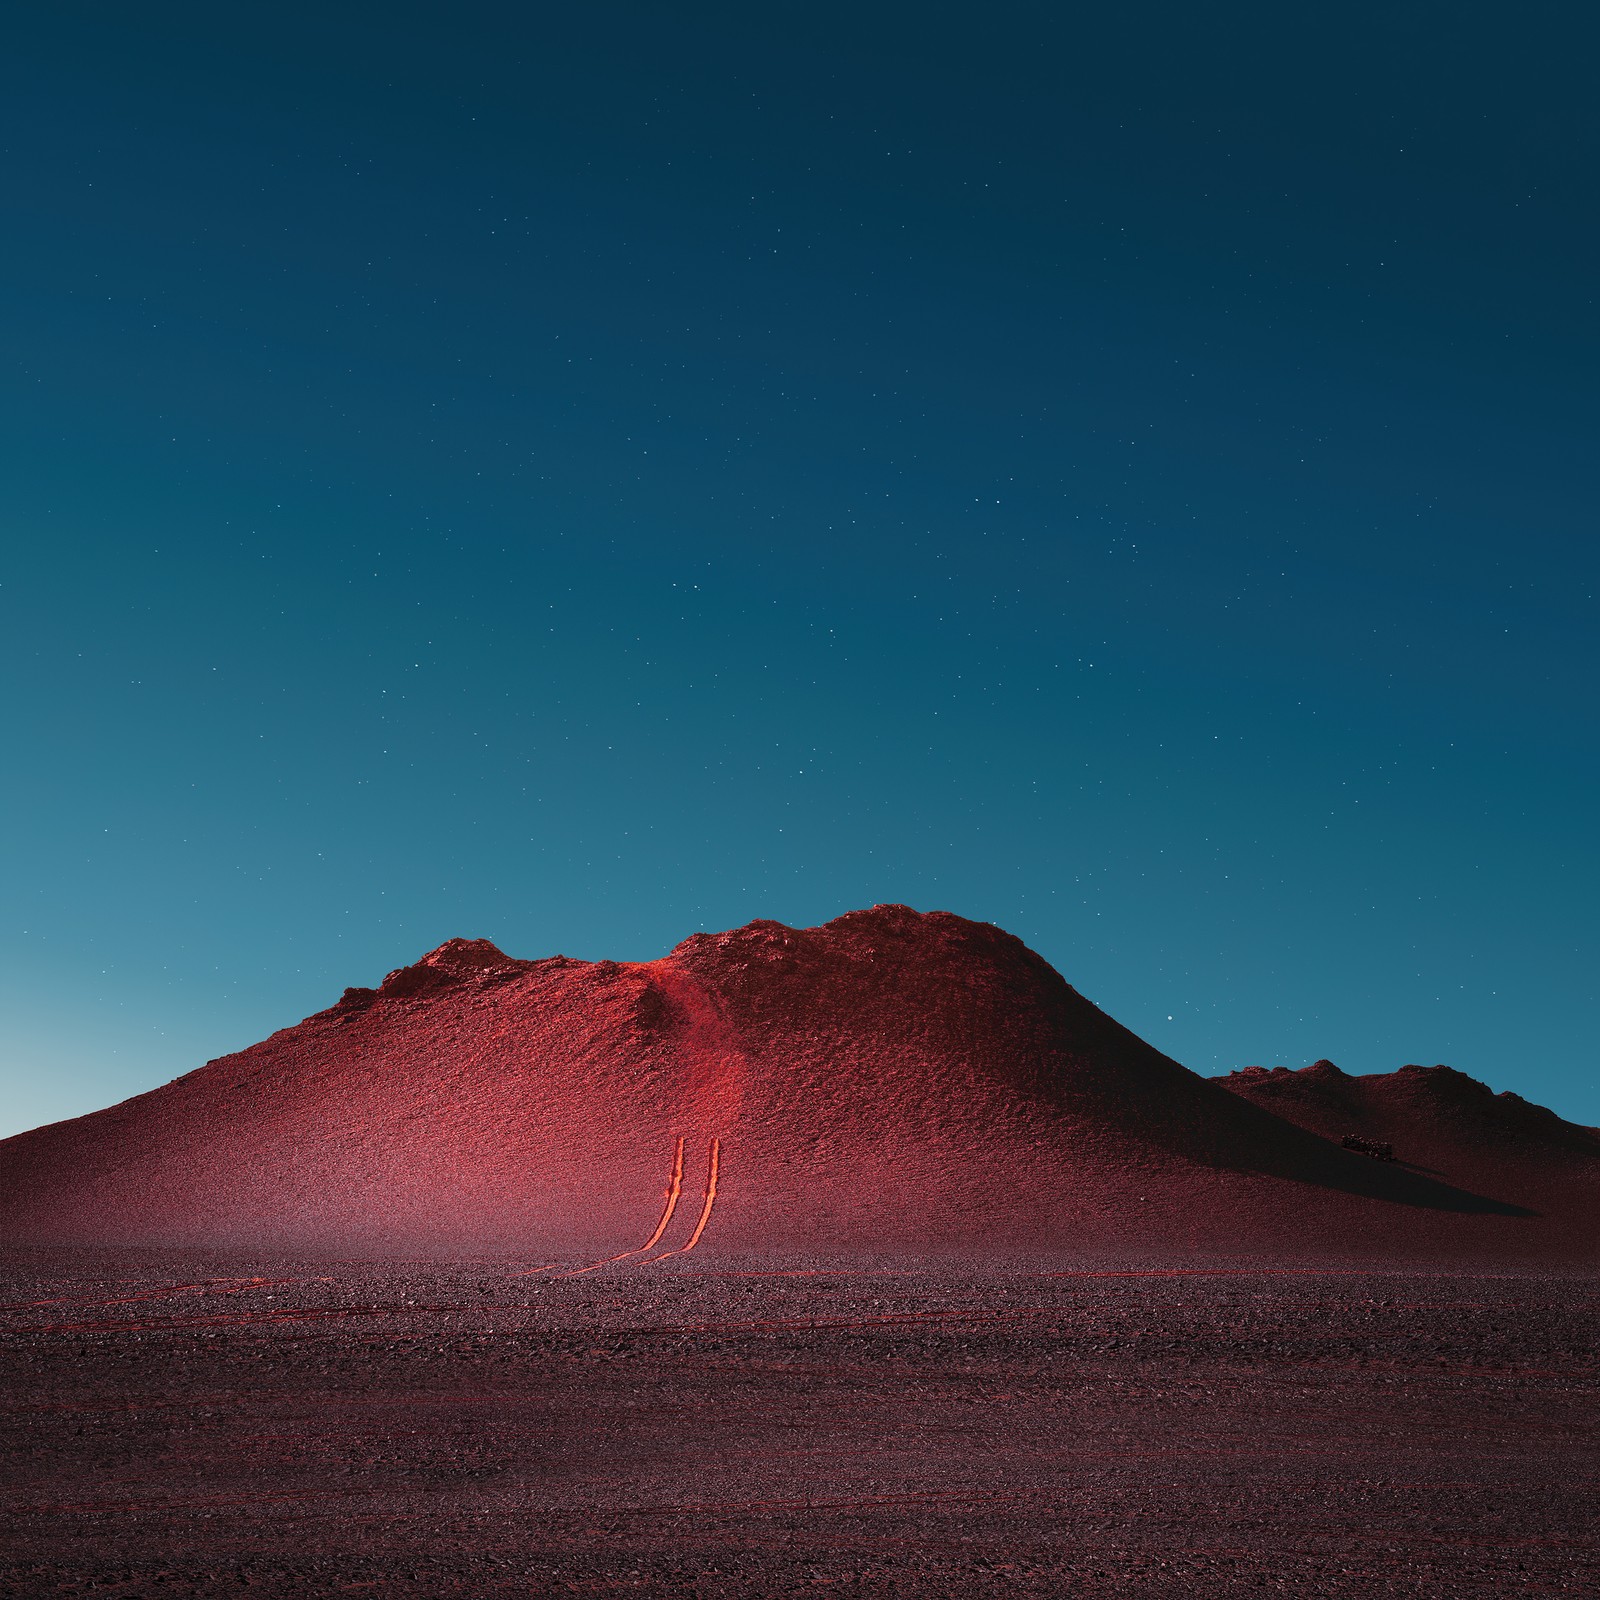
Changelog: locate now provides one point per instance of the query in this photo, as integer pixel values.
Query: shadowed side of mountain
(1437, 1121)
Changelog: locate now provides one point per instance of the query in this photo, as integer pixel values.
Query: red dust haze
(890, 1082)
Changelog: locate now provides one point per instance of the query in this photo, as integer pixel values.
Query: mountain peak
(452, 962)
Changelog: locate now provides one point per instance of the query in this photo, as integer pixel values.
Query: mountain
(890, 1082)
(1435, 1119)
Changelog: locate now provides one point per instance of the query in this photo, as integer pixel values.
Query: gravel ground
(197, 1426)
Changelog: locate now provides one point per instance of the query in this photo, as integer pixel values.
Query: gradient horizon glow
(577, 480)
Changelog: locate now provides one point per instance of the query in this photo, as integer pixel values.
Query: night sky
(580, 475)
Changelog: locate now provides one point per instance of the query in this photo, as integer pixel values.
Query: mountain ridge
(891, 1081)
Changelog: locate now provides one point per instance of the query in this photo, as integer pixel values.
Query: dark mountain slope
(1437, 1120)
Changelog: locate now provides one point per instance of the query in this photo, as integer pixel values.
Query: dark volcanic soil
(187, 1425)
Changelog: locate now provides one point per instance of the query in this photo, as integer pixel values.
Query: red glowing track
(707, 1043)
(674, 1189)
(712, 1161)
(673, 1194)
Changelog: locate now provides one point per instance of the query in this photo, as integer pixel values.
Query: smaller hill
(1438, 1120)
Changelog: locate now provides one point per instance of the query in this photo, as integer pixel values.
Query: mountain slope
(888, 1082)
(1436, 1119)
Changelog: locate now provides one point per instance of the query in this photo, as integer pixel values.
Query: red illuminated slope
(890, 1081)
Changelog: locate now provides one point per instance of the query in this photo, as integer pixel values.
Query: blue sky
(577, 480)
